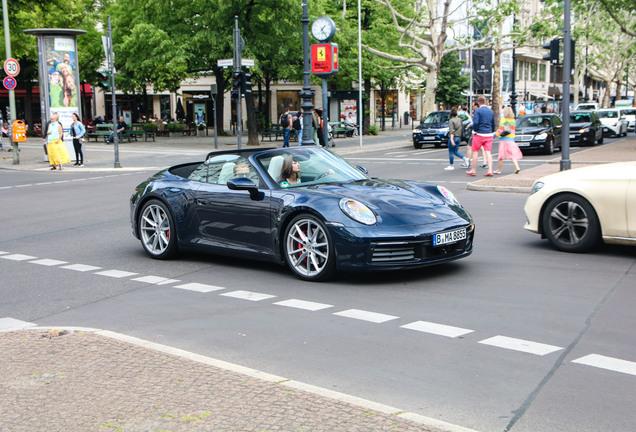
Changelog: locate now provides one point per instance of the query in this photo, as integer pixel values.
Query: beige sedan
(578, 208)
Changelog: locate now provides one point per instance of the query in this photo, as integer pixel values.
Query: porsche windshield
(307, 166)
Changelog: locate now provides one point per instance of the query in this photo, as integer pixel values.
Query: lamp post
(306, 94)
(513, 94)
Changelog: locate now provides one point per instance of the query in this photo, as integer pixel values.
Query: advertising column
(59, 77)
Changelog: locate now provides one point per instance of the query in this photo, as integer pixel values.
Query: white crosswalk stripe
(520, 345)
(155, 280)
(358, 314)
(248, 295)
(437, 329)
(81, 267)
(199, 287)
(17, 257)
(303, 304)
(115, 273)
(48, 262)
(608, 363)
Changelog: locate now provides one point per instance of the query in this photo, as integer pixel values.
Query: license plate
(449, 237)
(428, 138)
(523, 144)
(572, 136)
(605, 130)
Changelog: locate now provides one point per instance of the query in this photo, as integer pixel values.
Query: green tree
(452, 84)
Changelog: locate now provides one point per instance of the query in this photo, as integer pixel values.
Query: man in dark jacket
(484, 131)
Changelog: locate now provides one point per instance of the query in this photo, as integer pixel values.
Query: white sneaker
(466, 163)
(449, 168)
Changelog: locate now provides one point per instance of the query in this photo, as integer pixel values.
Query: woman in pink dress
(508, 149)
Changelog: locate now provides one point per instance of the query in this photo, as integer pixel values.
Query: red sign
(12, 67)
(9, 83)
(324, 59)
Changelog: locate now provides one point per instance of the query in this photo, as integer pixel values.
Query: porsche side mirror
(244, 183)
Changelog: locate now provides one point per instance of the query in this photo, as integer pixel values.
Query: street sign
(9, 83)
(11, 67)
(225, 62)
(247, 62)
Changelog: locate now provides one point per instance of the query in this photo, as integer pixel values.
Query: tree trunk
(496, 86)
(252, 127)
(606, 94)
(367, 106)
(218, 105)
(431, 92)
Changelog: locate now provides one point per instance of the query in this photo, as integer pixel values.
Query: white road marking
(3, 253)
(609, 363)
(11, 324)
(115, 273)
(18, 257)
(520, 345)
(81, 267)
(248, 295)
(303, 304)
(437, 329)
(155, 280)
(23, 185)
(366, 316)
(199, 287)
(48, 262)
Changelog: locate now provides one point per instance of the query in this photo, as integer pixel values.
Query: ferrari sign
(324, 59)
(11, 67)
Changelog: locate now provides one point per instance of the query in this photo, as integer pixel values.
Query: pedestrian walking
(77, 132)
(55, 147)
(286, 124)
(508, 149)
(454, 139)
(320, 129)
(298, 127)
(484, 131)
(315, 122)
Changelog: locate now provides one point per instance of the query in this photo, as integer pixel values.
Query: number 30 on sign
(11, 67)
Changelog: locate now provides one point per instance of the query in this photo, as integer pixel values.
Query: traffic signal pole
(238, 47)
(566, 163)
(7, 43)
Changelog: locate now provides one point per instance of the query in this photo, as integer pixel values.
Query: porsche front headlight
(357, 211)
(448, 195)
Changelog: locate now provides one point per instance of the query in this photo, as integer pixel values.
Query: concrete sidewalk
(89, 380)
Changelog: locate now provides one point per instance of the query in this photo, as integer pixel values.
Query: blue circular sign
(9, 83)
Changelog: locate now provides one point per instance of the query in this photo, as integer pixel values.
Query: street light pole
(566, 163)
(513, 95)
(306, 94)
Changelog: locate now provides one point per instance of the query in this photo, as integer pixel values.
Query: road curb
(485, 188)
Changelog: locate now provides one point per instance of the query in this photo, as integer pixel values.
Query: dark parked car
(585, 128)
(238, 203)
(434, 129)
(538, 132)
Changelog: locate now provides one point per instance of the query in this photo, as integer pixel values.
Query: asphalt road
(502, 340)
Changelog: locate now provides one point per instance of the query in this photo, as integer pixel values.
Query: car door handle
(202, 202)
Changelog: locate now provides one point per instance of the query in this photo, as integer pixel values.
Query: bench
(274, 131)
(101, 130)
(138, 130)
(338, 128)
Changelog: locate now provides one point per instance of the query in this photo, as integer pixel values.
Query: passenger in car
(241, 169)
(290, 174)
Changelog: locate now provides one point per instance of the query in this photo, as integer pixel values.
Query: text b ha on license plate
(449, 237)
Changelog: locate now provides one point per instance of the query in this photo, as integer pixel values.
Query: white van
(587, 106)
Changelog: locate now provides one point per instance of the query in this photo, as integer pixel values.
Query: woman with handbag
(508, 149)
(77, 132)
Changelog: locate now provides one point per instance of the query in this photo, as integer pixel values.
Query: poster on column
(63, 78)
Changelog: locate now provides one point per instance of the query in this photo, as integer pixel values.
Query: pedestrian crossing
(539, 349)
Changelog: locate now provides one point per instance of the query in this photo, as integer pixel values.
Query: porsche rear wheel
(157, 231)
(570, 223)
(308, 248)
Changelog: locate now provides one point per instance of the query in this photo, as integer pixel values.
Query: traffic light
(237, 77)
(103, 80)
(553, 46)
(246, 83)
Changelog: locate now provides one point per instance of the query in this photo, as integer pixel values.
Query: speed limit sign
(12, 67)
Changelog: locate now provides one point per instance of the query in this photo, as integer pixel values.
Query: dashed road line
(17, 257)
(437, 329)
(362, 315)
(248, 295)
(608, 363)
(48, 262)
(81, 267)
(303, 304)
(115, 273)
(156, 280)
(199, 287)
(514, 344)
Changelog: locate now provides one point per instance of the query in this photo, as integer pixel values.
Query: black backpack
(297, 124)
(284, 120)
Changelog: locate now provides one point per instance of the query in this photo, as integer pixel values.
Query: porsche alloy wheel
(156, 230)
(308, 249)
(570, 223)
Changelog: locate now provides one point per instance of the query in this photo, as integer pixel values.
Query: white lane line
(437, 329)
(115, 273)
(23, 185)
(366, 316)
(18, 257)
(248, 295)
(520, 345)
(199, 287)
(609, 363)
(11, 324)
(48, 262)
(155, 280)
(3, 253)
(81, 267)
(303, 304)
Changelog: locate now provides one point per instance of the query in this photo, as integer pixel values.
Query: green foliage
(149, 127)
(374, 130)
(451, 83)
(175, 127)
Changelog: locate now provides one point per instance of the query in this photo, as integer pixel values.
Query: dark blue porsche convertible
(302, 206)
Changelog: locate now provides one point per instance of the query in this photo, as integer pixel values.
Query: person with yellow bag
(55, 147)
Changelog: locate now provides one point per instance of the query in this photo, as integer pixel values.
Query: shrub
(149, 127)
(175, 127)
(373, 130)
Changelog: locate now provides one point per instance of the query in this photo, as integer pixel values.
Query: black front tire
(570, 223)
(308, 248)
(157, 230)
(549, 146)
(417, 145)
